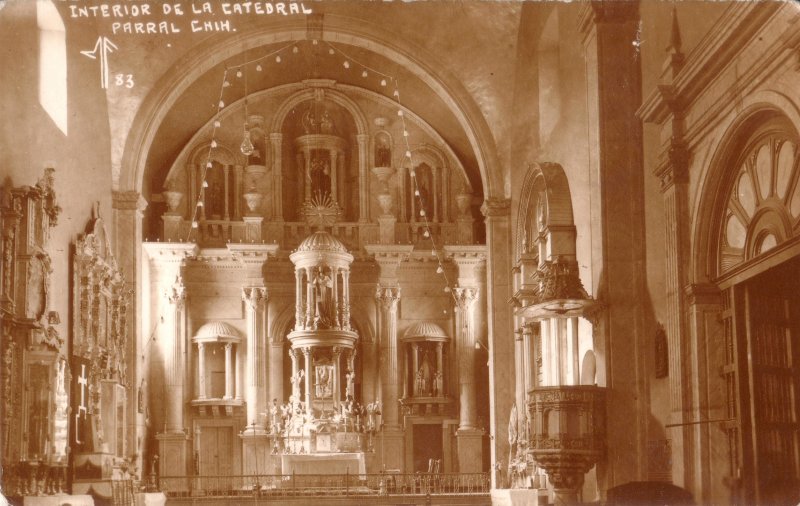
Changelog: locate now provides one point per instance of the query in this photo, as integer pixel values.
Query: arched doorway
(757, 267)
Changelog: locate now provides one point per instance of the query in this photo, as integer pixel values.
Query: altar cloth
(323, 463)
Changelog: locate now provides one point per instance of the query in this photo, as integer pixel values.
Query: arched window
(52, 63)
(763, 205)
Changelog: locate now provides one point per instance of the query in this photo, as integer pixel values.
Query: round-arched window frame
(762, 209)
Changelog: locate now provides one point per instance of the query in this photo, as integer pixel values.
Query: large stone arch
(710, 201)
(338, 29)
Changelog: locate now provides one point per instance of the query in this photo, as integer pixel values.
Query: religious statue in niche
(323, 293)
(383, 153)
(320, 175)
(424, 379)
(424, 183)
(315, 121)
(323, 387)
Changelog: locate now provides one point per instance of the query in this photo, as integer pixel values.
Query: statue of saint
(350, 387)
(323, 286)
(326, 123)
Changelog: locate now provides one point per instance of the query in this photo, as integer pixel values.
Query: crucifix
(82, 381)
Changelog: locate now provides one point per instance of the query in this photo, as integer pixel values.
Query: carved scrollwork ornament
(387, 297)
(254, 296)
(465, 296)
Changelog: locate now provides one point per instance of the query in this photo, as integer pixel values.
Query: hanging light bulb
(221, 104)
(396, 93)
(383, 82)
(194, 224)
(346, 64)
(247, 147)
(426, 233)
(433, 252)
(416, 193)
(439, 270)
(400, 113)
(239, 73)
(213, 143)
(314, 41)
(408, 154)
(258, 67)
(208, 164)
(364, 73)
(225, 83)
(412, 173)
(295, 50)
(216, 124)
(331, 51)
(205, 184)
(447, 289)
(199, 203)
(422, 212)
(278, 59)
(405, 133)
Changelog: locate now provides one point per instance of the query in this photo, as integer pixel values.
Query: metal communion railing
(325, 485)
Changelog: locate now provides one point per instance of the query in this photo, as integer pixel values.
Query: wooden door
(773, 309)
(216, 451)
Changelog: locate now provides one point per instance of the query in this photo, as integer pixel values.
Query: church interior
(506, 253)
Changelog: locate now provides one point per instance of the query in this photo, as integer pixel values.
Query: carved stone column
(201, 370)
(363, 189)
(174, 319)
(128, 211)
(387, 298)
(501, 348)
(307, 379)
(228, 371)
(277, 173)
(613, 79)
(337, 352)
(255, 299)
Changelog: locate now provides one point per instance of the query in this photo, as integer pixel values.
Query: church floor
(341, 501)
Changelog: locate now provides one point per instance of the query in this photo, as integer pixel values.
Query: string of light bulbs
(348, 63)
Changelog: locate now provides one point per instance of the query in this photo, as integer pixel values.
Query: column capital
(306, 350)
(336, 350)
(255, 296)
(128, 201)
(228, 346)
(464, 296)
(387, 297)
(176, 294)
(496, 207)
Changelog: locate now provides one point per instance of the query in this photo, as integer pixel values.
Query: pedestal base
(386, 225)
(470, 450)
(516, 497)
(392, 446)
(252, 224)
(172, 452)
(256, 446)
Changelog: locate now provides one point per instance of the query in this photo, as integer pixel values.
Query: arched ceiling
(198, 103)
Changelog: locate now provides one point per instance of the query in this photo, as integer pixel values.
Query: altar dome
(217, 330)
(322, 241)
(425, 331)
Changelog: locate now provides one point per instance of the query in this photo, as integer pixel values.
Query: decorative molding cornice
(128, 201)
(496, 207)
(702, 293)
